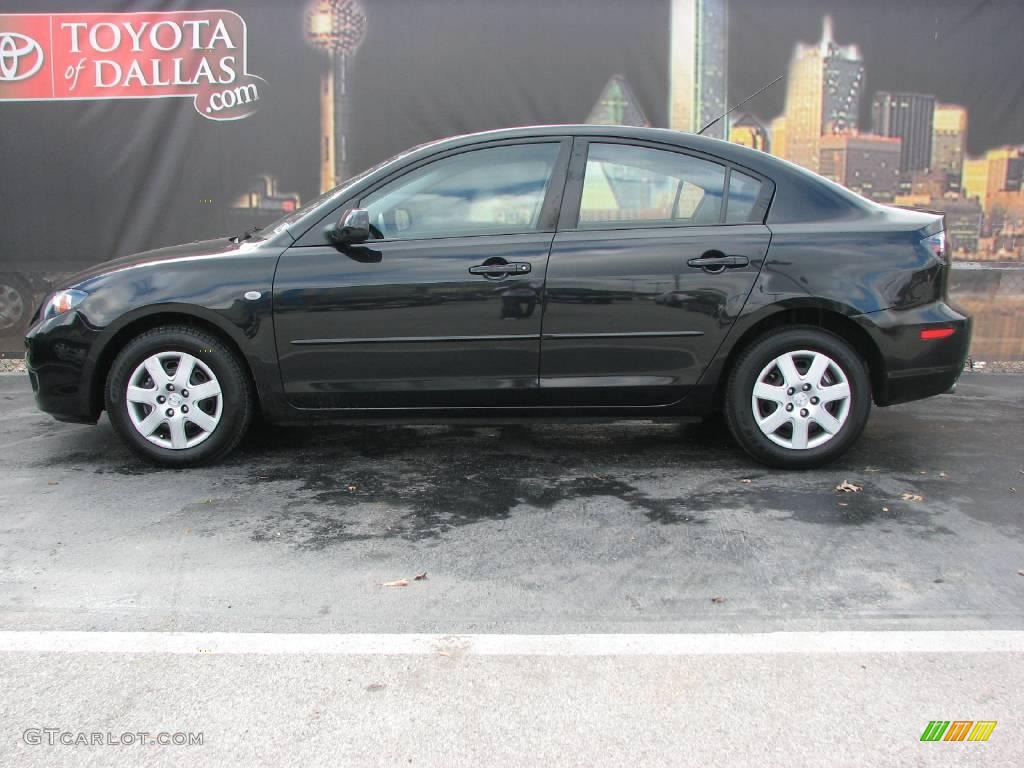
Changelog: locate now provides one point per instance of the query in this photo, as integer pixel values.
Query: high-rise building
(911, 117)
(974, 178)
(931, 183)
(750, 132)
(963, 223)
(1000, 170)
(822, 95)
(777, 141)
(617, 105)
(949, 143)
(1006, 169)
(1005, 216)
(866, 164)
(698, 59)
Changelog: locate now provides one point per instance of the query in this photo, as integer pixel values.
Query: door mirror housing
(354, 227)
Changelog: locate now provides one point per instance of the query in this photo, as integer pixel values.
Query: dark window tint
(499, 190)
(743, 192)
(625, 184)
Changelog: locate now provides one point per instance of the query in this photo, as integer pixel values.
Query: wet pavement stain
(324, 511)
(419, 483)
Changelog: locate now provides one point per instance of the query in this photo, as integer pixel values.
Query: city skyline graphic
(912, 103)
(913, 153)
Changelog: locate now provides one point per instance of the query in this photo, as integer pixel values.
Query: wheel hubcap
(190, 410)
(12, 307)
(801, 399)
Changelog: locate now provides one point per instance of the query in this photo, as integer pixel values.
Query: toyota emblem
(16, 57)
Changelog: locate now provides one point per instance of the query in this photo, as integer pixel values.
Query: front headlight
(61, 302)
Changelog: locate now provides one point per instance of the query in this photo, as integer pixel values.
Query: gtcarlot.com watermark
(53, 737)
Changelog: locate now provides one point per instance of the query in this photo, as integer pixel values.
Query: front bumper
(57, 355)
(914, 368)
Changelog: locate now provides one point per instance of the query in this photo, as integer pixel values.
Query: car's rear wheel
(798, 398)
(179, 396)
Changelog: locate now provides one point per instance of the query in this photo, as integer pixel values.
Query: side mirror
(353, 228)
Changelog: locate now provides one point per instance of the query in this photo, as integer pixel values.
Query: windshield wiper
(245, 235)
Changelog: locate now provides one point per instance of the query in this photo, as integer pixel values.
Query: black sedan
(534, 272)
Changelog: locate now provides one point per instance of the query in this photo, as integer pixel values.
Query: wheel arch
(842, 325)
(131, 326)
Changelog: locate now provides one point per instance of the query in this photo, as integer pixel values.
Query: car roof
(726, 150)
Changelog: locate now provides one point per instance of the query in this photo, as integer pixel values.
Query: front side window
(626, 184)
(499, 190)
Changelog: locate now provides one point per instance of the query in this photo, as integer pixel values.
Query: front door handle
(718, 262)
(499, 270)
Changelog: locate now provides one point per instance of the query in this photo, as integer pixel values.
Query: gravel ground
(997, 366)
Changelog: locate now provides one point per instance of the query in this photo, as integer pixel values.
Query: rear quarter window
(743, 194)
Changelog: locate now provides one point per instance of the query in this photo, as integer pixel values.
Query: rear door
(656, 253)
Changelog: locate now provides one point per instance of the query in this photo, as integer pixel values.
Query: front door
(442, 307)
(650, 268)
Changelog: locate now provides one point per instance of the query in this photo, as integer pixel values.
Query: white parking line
(710, 644)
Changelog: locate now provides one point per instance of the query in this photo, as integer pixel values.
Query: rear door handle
(497, 270)
(719, 263)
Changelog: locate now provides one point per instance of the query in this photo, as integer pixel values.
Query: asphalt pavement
(551, 530)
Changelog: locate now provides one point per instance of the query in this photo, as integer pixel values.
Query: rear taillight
(937, 245)
(929, 334)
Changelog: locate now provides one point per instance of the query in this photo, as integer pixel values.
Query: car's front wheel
(179, 396)
(798, 398)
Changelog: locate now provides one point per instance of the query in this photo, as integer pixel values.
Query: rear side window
(743, 193)
(626, 184)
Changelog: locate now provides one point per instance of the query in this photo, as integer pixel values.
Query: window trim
(568, 220)
(546, 221)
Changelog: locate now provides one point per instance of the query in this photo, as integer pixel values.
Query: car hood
(199, 249)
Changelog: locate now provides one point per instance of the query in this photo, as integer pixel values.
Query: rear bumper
(57, 355)
(914, 368)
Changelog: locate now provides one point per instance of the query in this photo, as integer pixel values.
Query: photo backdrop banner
(130, 125)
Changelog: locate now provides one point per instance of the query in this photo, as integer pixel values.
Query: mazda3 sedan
(586, 271)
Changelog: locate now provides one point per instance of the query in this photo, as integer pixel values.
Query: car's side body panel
(830, 251)
(405, 324)
(627, 320)
(204, 280)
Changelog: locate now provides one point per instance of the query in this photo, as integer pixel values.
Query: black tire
(237, 398)
(739, 410)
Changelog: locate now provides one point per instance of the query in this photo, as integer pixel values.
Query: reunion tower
(336, 27)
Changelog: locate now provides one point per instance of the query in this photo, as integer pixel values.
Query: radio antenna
(740, 104)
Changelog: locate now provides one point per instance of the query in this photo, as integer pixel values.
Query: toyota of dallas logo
(186, 54)
(20, 57)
